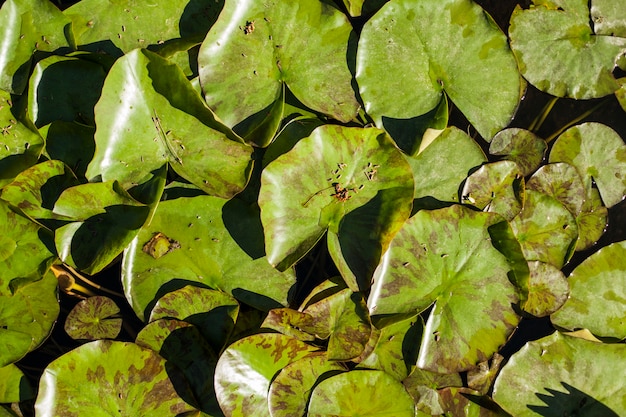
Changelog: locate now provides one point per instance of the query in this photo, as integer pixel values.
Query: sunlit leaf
(104, 378)
(592, 221)
(599, 155)
(445, 258)
(338, 176)
(91, 319)
(575, 376)
(246, 368)
(548, 289)
(14, 386)
(465, 402)
(150, 115)
(597, 298)
(361, 393)
(213, 252)
(422, 385)
(251, 51)
(422, 44)
(521, 146)
(561, 181)
(212, 312)
(552, 38)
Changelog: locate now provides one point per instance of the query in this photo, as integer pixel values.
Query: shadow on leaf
(571, 403)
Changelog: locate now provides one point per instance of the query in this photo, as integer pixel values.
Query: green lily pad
(423, 44)
(246, 368)
(621, 93)
(609, 17)
(545, 229)
(94, 318)
(452, 149)
(35, 190)
(395, 346)
(291, 388)
(482, 377)
(445, 258)
(118, 28)
(27, 26)
(561, 181)
(150, 115)
(183, 345)
(599, 155)
(422, 385)
(497, 187)
(71, 143)
(592, 221)
(214, 313)
(337, 175)
(104, 378)
(14, 386)
(107, 220)
(575, 379)
(521, 146)
(27, 317)
(20, 147)
(548, 289)
(208, 255)
(552, 38)
(361, 393)
(251, 51)
(597, 298)
(467, 402)
(292, 323)
(64, 88)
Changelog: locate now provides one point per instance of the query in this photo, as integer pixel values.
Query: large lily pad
(336, 176)
(251, 51)
(599, 155)
(552, 38)
(150, 115)
(198, 246)
(361, 393)
(597, 300)
(437, 46)
(574, 377)
(27, 317)
(246, 368)
(27, 26)
(19, 145)
(92, 319)
(445, 258)
(104, 378)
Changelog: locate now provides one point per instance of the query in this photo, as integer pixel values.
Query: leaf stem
(70, 279)
(575, 121)
(541, 117)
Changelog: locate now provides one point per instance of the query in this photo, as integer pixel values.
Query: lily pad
(335, 176)
(361, 393)
(423, 387)
(212, 312)
(246, 368)
(105, 378)
(291, 388)
(467, 402)
(561, 181)
(608, 17)
(423, 44)
(208, 255)
(27, 26)
(150, 115)
(497, 187)
(552, 38)
(592, 221)
(64, 88)
(521, 146)
(20, 146)
(621, 93)
(452, 149)
(251, 52)
(575, 379)
(94, 318)
(35, 190)
(548, 289)
(545, 229)
(14, 386)
(27, 317)
(599, 155)
(71, 143)
(445, 258)
(597, 298)
(183, 345)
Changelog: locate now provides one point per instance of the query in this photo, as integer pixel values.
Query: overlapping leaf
(206, 247)
(409, 55)
(445, 258)
(338, 176)
(575, 378)
(14, 386)
(150, 115)
(106, 378)
(521, 146)
(256, 46)
(552, 38)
